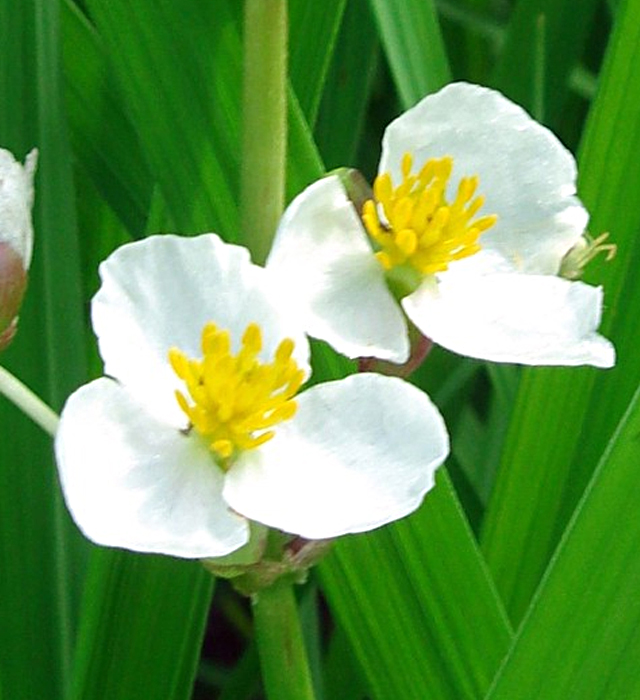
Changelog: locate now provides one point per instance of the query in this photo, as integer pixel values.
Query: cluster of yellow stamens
(420, 227)
(236, 399)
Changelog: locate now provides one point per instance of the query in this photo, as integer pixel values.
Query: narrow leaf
(588, 605)
(412, 41)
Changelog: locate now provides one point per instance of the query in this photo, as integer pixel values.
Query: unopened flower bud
(16, 238)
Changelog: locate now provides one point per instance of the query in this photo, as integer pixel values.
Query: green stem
(264, 123)
(285, 669)
(30, 404)
(283, 659)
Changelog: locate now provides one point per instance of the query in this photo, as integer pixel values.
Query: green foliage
(518, 577)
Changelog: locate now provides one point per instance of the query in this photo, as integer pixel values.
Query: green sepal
(355, 186)
(269, 556)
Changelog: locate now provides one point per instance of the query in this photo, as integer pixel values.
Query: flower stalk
(281, 649)
(283, 658)
(30, 404)
(264, 113)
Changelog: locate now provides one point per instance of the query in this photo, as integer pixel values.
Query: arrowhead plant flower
(471, 216)
(16, 237)
(201, 427)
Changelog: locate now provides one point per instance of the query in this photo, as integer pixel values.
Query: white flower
(145, 468)
(16, 237)
(474, 211)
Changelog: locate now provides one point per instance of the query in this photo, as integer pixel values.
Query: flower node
(234, 400)
(418, 226)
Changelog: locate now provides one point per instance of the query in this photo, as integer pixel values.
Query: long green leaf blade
(313, 28)
(412, 40)
(582, 637)
(418, 605)
(137, 641)
(547, 37)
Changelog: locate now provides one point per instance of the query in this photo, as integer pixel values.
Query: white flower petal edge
(360, 452)
(16, 199)
(139, 313)
(133, 482)
(321, 259)
(528, 319)
(528, 178)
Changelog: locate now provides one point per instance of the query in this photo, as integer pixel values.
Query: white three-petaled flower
(481, 283)
(138, 473)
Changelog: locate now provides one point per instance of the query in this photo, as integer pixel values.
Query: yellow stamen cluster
(236, 399)
(420, 227)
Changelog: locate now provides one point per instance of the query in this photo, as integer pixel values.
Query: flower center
(236, 399)
(420, 228)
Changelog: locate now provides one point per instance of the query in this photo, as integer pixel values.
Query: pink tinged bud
(16, 237)
(13, 282)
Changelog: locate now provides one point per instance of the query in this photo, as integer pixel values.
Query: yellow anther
(407, 164)
(414, 224)
(383, 188)
(252, 338)
(232, 399)
(407, 241)
(284, 351)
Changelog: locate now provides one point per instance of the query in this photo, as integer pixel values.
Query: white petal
(529, 319)
(132, 482)
(160, 292)
(526, 175)
(359, 453)
(16, 199)
(323, 263)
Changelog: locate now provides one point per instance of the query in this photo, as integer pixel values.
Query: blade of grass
(412, 41)
(351, 75)
(566, 29)
(105, 142)
(177, 65)
(313, 28)
(418, 605)
(588, 605)
(137, 640)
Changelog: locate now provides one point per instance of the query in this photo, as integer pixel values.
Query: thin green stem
(30, 404)
(285, 668)
(264, 123)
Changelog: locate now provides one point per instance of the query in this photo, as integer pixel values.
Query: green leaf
(177, 65)
(106, 145)
(581, 638)
(412, 41)
(313, 28)
(543, 42)
(341, 118)
(564, 417)
(418, 606)
(142, 627)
